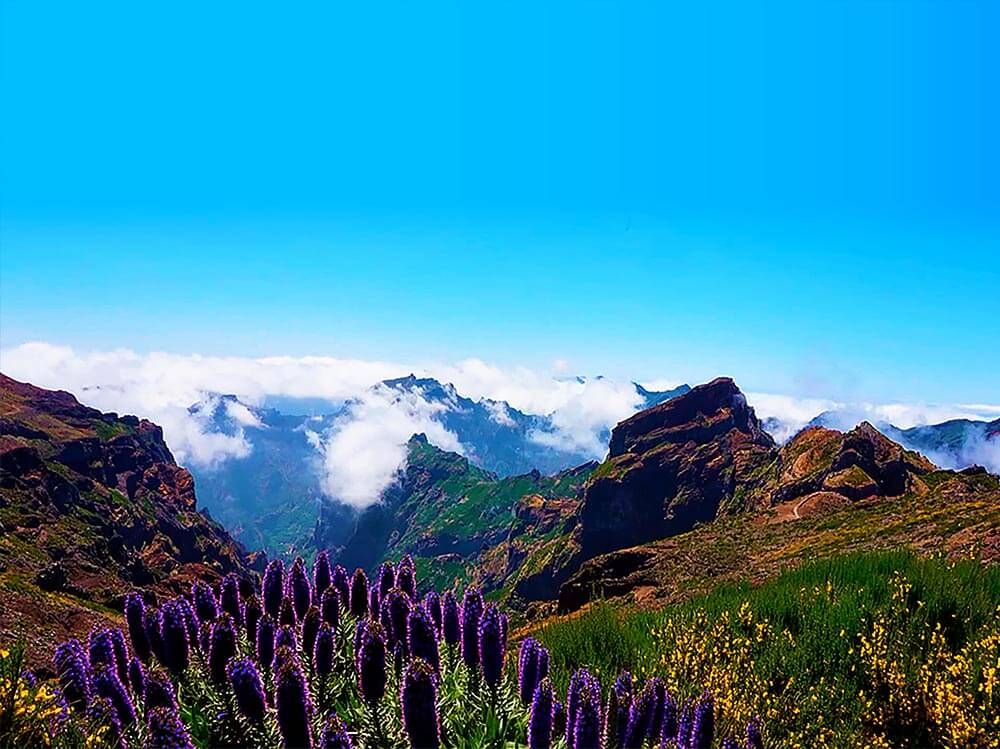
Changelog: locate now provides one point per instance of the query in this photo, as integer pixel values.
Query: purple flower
(167, 730)
(205, 604)
(191, 620)
(273, 587)
(324, 650)
(204, 638)
(532, 667)
(418, 699)
(299, 589)
(422, 637)
(542, 718)
(159, 692)
(174, 631)
(102, 649)
(310, 629)
(451, 621)
(251, 617)
(655, 730)
(386, 579)
(685, 724)
(102, 713)
(406, 577)
(587, 731)
(342, 584)
(432, 602)
(640, 715)
(472, 610)
(371, 663)
(229, 598)
(74, 674)
(730, 743)
(359, 594)
(558, 718)
(291, 701)
(492, 645)
(286, 615)
(395, 611)
(154, 623)
(108, 685)
(322, 575)
(137, 678)
(121, 652)
(286, 638)
(374, 600)
(247, 688)
(265, 642)
(616, 717)
(335, 735)
(669, 726)
(222, 648)
(754, 738)
(330, 607)
(703, 727)
(581, 682)
(359, 634)
(135, 619)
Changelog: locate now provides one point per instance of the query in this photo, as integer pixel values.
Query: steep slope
(92, 505)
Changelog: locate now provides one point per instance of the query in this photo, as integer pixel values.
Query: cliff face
(672, 466)
(91, 506)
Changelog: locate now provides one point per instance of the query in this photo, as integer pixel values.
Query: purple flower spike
(669, 729)
(703, 728)
(286, 638)
(222, 648)
(324, 650)
(406, 577)
(273, 588)
(587, 732)
(154, 624)
(395, 612)
(292, 704)
(527, 669)
(472, 610)
(265, 642)
(329, 607)
(754, 738)
(74, 674)
(248, 689)
(422, 638)
(230, 599)
(581, 686)
(342, 584)
(558, 718)
(108, 685)
(310, 629)
(359, 594)
(541, 721)
(685, 724)
(121, 653)
(492, 645)
(371, 663)
(135, 619)
(418, 698)
(640, 715)
(102, 649)
(102, 712)
(655, 730)
(137, 678)
(374, 600)
(730, 743)
(432, 602)
(616, 717)
(335, 735)
(286, 614)
(322, 576)
(159, 692)
(299, 589)
(451, 621)
(174, 631)
(192, 622)
(251, 617)
(167, 730)
(205, 604)
(386, 579)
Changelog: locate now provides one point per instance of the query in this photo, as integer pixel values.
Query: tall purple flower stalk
(230, 599)
(558, 718)
(265, 642)
(541, 720)
(206, 606)
(432, 602)
(191, 621)
(329, 607)
(685, 724)
(273, 588)
(616, 715)
(108, 685)
(374, 600)
(422, 638)
(324, 650)
(248, 689)
(322, 575)
(310, 629)
(286, 614)
(135, 620)
(386, 579)
(371, 663)
(159, 691)
(74, 674)
(299, 589)
(418, 698)
(121, 652)
(292, 704)
(492, 645)
(754, 739)
(703, 727)
(659, 690)
(582, 686)
(640, 716)
(102, 713)
(101, 649)
(406, 577)
(359, 594)
(251, 617)
(154, 624)
(222, 648)
(587, 731)
(167, 731)
(395, 611)
(137, 678)
(451, 619)
(532, 667)
(342, 584)
(335, 735)
(176, 646)
(472, 610)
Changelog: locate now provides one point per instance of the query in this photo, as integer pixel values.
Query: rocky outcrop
(673, 466)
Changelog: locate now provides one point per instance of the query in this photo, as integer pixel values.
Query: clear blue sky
(803, 194)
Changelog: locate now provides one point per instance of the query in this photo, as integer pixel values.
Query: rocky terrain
(92, 505)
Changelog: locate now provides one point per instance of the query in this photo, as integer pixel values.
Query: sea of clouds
(365, 448)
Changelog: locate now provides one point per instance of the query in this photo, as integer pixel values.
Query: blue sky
(803, 195)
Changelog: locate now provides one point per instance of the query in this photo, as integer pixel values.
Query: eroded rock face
(670, 467)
